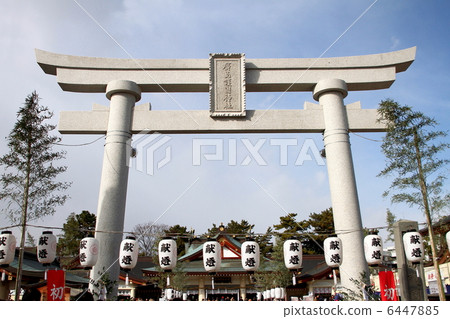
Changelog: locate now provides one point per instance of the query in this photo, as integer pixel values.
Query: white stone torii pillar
(341, 176)
(328, 78)
(113, 186)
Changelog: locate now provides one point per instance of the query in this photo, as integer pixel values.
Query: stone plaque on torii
(227, 77)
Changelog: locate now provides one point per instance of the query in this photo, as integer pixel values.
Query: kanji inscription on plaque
(227, 84)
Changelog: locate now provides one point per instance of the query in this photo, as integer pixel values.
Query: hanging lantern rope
(190, 235)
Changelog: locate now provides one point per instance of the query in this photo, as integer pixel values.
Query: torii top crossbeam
(89, 74)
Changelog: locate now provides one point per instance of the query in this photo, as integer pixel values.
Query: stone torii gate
(227, 77)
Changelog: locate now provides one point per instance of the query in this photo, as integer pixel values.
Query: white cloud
(395, 42)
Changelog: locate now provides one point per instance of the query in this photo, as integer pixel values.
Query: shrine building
(232, 282)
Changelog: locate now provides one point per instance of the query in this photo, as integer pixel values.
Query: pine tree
(412, 151)
(76, 227)
(181, 235)
(265, 243)
(233, 227)
(273, 273)
(29, 184)
(312, 231)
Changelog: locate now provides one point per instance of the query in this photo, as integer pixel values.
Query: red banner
(387, 286)
(56, 280)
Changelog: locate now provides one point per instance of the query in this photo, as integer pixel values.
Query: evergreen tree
(265, 243)
(321, 226)
(273, 272)
(412, 151)
(312, 232)
(181, 235)
(242, 227)
(29, 183)
(390, 220)
(233, 227)
(290, 226)
(30, 240)
(76, 227)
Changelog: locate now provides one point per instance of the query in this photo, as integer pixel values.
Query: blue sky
(214, 192)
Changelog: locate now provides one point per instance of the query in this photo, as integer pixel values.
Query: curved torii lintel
(91, 74)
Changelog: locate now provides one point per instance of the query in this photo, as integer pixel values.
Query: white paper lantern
(167, 250)
(7, 247)
(373, 249)
(258, 295)
(333, 251)
(277, 293)
(250, 255)
(185, 296)
(212, 256)
(292, 249)
(88, 252)
(272, 293)
(46, 248)
(169, 294)
(413, 243)
(103, 293)
(283, 293)
(129, 251)
(448, 240)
